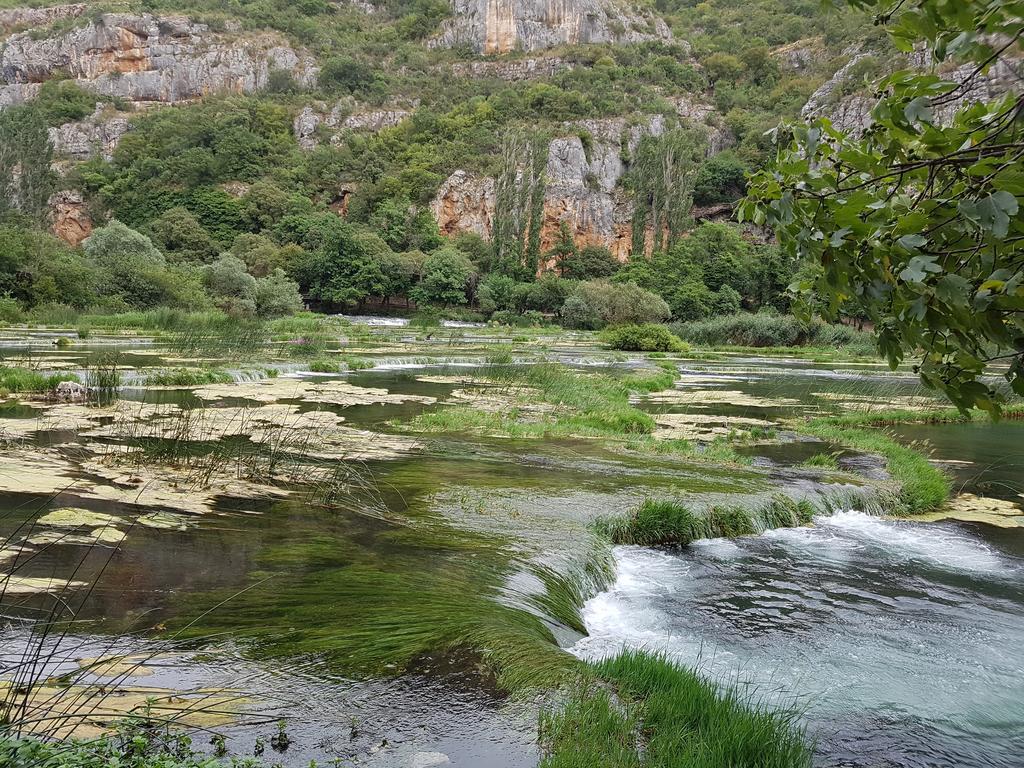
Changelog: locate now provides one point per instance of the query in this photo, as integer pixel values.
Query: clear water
(901, 642)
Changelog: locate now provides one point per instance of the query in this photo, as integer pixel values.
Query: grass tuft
(664, 716)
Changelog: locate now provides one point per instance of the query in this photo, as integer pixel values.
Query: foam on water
(942, 545)
(899, 640)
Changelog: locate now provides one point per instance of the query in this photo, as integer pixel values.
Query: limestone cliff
(502, 26)
(583, 187)
(145, 58)
(96, 135)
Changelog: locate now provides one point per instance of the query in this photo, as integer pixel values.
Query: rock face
(582, 188)
(19, 18)
(852, 113)
(316, 119)
(98, 134)
(501, 26)
(71, 220)
(512, 70)
(465, 203)
(152, 59)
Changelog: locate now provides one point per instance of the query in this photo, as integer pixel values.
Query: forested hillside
(493, 156)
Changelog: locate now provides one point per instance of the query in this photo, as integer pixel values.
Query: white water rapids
(903, 643)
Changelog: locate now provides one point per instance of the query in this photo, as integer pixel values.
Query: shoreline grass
(15, 380)
(662, 714)
(188, 377)
(920, 486)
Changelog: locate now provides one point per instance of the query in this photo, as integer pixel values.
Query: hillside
(521, 130)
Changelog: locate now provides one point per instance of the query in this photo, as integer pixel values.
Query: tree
(662, 180)
(446, 278)
(277, 295)
(180, 235)
(597, 303)
(519, 203)
(917, 221)
(26, 179)
(343, 73)
(233, 289)
(131, 267)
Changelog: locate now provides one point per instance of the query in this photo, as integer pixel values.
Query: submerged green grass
(661, 715)
(582, 403)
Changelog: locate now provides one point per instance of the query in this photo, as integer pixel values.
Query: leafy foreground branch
(662, 714)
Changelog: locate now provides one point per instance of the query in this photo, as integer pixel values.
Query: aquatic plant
(660, 714)
(821, 461)
(13, 379)
(188, 377)
(582, 404)
(324, 365)
(135, 741)
(666, 521)
(921, 486)
(103, 377)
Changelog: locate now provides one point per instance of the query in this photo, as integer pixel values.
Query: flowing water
(899, 641)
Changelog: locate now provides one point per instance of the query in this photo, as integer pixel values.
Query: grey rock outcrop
(316, 119)
(512, 70)
(21, 18)
(501, 26)
(17, 93)
(98, 134)
(152, 59)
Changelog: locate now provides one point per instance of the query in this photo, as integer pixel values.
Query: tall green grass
(667, 716)
(14, 380)
(188, 377)
(920, 485)
(665, 521)
(769, 330)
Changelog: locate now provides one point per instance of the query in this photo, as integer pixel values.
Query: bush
(770, 330)
(277, 296)
(598, 303)
(10, 310)
(643, 338)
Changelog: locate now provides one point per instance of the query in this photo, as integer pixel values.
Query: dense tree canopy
(917, 221)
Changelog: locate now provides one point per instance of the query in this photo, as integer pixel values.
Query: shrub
(770, 330)
(10, 310)
(277, 295)
(643, 338)
(324, 365)
(598, 303)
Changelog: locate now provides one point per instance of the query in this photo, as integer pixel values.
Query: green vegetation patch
(25, 380)
(921, 486)
(665, 521)
(188, 377)
(585, 404)
(665, 716)
(648, 337)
